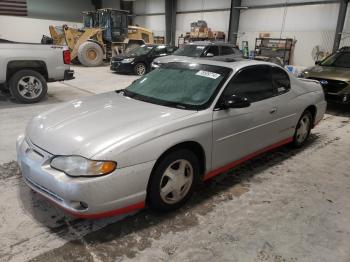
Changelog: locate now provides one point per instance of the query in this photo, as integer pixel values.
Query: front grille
(331, 86)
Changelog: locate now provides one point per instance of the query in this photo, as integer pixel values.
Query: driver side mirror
(209, 55)
(318, 62)
(234, 101)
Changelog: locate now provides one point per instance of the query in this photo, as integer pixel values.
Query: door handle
(273, 110)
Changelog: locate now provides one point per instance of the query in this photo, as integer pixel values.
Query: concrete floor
(286, 205)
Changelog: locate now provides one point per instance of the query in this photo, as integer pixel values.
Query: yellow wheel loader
(105, 33)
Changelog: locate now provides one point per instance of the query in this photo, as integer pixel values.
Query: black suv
(139, 60)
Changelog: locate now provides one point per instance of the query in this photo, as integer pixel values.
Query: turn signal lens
(108, 167)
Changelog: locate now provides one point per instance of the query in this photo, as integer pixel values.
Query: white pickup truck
(26, 68)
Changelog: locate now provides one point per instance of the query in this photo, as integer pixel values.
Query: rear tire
(90, 54)
(172, 180)
(302, 130)
(28, 86)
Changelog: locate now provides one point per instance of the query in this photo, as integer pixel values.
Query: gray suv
(203, 49)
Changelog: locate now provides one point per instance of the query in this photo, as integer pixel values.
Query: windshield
(142, 50)
(104, 20)
(337, 60)
(190, 50)
(182, 85)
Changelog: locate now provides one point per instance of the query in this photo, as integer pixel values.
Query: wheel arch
(192, 146)
(313, 111)
(35, 65)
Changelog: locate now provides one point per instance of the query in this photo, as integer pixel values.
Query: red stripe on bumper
(246, 158)
(116, 212)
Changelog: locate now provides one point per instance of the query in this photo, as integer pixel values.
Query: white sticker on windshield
(200, 46)
(207, 74)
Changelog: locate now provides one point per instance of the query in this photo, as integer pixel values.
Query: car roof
(218, 43)
(344, 49)
(155, 45)
(235, 64)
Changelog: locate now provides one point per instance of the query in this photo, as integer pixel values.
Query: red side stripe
(250, 156)
(317, 122)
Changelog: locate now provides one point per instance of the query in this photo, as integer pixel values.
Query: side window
(280, 80)
(237, 51)
(170, 49)
(253, 82)
(227, 50)
(214, 50)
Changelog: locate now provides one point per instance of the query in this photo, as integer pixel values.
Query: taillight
(66, 57)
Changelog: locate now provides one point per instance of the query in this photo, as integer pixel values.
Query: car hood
(334, 73)
(123, 56)
(173, 58)
(88, 126)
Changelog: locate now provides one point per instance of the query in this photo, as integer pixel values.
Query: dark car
(334, 75)
(139, 60)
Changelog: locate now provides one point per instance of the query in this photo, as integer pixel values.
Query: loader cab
(114, 24)
(90, 19)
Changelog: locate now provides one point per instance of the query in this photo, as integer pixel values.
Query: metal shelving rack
(274, 48)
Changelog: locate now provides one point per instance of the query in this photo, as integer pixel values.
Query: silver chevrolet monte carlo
(150, 143)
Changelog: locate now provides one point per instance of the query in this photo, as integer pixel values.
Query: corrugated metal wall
(11, 7)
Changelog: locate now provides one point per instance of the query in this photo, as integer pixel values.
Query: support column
(234, 21)
(170, 21)
(128, 6)
(340, 24)
(97, 4)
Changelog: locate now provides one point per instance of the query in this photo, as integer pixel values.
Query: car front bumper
(122, 191)
(339, 99)
(118, 66)
(68, 74)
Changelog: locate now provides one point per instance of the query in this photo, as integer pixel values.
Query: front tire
(302, 130)
(28, 86)
(140, 69)
(90, 54)
(172, 181)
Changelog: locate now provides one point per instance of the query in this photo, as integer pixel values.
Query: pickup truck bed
(26, 68)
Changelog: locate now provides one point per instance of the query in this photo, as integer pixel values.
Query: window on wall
(254, 83)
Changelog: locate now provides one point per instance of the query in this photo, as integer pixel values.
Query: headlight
(79, 166)
(155, 64)
(301, 75)
(128, 60)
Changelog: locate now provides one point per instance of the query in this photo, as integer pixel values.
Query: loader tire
(90, 54)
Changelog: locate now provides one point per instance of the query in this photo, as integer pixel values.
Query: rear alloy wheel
(172, 182)
(303, 129)
(140, 69)
(28, 86)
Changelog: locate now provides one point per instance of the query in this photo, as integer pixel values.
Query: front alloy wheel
(172, 180)
(140, 69)
(176, 181)
(303, 129)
